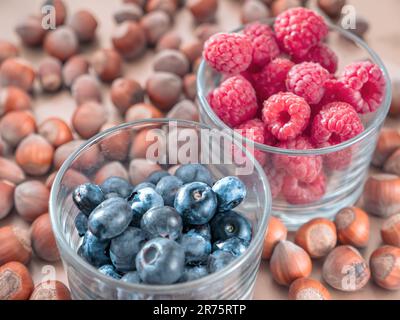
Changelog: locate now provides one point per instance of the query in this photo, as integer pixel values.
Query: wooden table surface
(384, 37)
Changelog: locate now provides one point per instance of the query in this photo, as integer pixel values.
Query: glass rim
(71, 256)
(376, 122)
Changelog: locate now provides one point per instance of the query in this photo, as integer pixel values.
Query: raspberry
(234, 101)
(297, 192)
(323, 55)
(335, 123)
(304, 168)
(367, 79)
(286, 115)
(336, 90)
(271, 79)
(254, 130)
(228, 53)
(339, 160)
(269, 138)
(275, 178)
(299, 29)
(265, 47)
(307, 80)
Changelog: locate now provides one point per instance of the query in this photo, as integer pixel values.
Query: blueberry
(160, 261)
(143, 200)
(110, 218)
(194, 173)
(112, 195)
(162, 222)
(110, 271)
(233, 245)
(144, 185)
(203, 229)
(197, 248)
(156, 176)
(87, 197)
(192, 273)
(124, 248)
(218, 260)
(117, 185)
(230, 224)
(167, 187)
(230, 193)
(81, 224)
(131, 277)
(196, 202)
(94, 250)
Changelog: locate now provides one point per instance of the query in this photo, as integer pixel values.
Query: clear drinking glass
(234, 282)
(345, 165)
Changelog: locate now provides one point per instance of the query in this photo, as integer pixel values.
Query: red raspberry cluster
(281, 89)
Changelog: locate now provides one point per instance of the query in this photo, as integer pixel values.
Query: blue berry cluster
(167, 229)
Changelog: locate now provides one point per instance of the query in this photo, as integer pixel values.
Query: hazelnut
(332, 8)
(14, 99)
(7, 197)
(61, 43)
(192, 50)
(394, 106)
(10, 171)
(140, 3)
(164, 89)
(202, 10)
(196, 65)
(51, 290)
(168, 6)
(382, 194)
(17, 72)
(31, 31)
(88, 119)
(17, 125)
(317, 237)
(279, 6)
(129, 39)
(55, 131)
(392, 164)
(352, 227)
(7, 50)
(388, 142)
(31, 199)
(155, 24)
(86, 160)
(128, 12)
(126, 92)
(143, 140)
(15, 245)
(390, 231)
(171, 61)
(86, 88)
(276, 231)
(142, 111)
(140, 169)
(173, 169)
(73, 68)
(116, 147)
(4, 147)
(107, 63)
(345, 269)
(15, 282)
(253, 10)
(60, 10)
(49, 74)
(308, 289)
(184, 110)
(170, 40)
(35, 155)
(289, 262)
(190, 86)
(84, 24)
(111, 169)
(72, 178)
(205, 30)
(385, 267)
(43, 241)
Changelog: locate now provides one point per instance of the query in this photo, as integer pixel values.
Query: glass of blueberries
(195, 233)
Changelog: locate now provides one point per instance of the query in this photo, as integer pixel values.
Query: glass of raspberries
(130, 225)
(311, 103)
